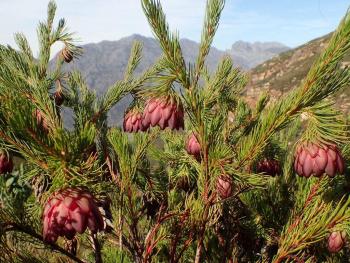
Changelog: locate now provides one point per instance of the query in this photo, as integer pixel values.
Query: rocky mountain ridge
(253, 54)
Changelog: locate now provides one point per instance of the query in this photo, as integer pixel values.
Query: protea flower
(269, 167)
(163, 112)
(224, 187)
(133, 121)
(336, 241)
(69, 211)
(193, 147)
(6, 164)
(317, 159)
(67, 55)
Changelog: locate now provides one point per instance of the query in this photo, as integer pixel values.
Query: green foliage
(160, 203)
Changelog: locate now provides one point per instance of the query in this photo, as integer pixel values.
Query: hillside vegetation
(286, 71)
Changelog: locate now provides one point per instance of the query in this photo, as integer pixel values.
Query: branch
(15, 227)
(185, 246)
(97, 248)
(323, 80)
(169, 43)
(8, 139)
(134, 59)
(311, 222)
(211, 23)
(175, 240)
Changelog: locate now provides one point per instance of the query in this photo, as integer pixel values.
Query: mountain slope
(286, 71)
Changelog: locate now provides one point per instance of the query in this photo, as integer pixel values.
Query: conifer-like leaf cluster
(195, 174)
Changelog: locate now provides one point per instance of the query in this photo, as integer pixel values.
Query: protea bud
(193, 147)
(151, 205)
(317, 159)
(224, 187)
(6, 163)
(183, 183)
(163, 112)
(41, 120)
(67, 55)
(69, 211)
(58, 97)
(336, 241)
(133, 121)
(269, 167)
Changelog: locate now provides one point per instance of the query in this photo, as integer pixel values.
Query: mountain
(286, 71)
(248, 55)
(102, 64)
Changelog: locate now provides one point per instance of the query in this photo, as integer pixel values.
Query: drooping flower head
(70, 211)
(317, 159)
(6, 163)
(336, 241)
(163, 112)
(133, 121)
(269, 167)
(224, 187)
(193, 147)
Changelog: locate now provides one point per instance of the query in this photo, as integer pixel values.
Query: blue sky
(287, 21)
(292, 22)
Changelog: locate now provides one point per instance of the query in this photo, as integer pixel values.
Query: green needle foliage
(159, 201)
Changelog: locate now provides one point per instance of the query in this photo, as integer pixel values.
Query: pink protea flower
(224, 187)
(133, 122)
(69, 211)
(336, 241)
(269, 167)
(317, 159)
(163, 112)
(6, 163)
(193, 147)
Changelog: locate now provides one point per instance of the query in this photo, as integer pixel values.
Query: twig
(28, 231)
(175, 241)
(8, 139)
(185, 246)
(149, 243)
(97, 248)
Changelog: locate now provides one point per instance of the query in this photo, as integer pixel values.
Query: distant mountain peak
(251, 54)
(260, 44)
